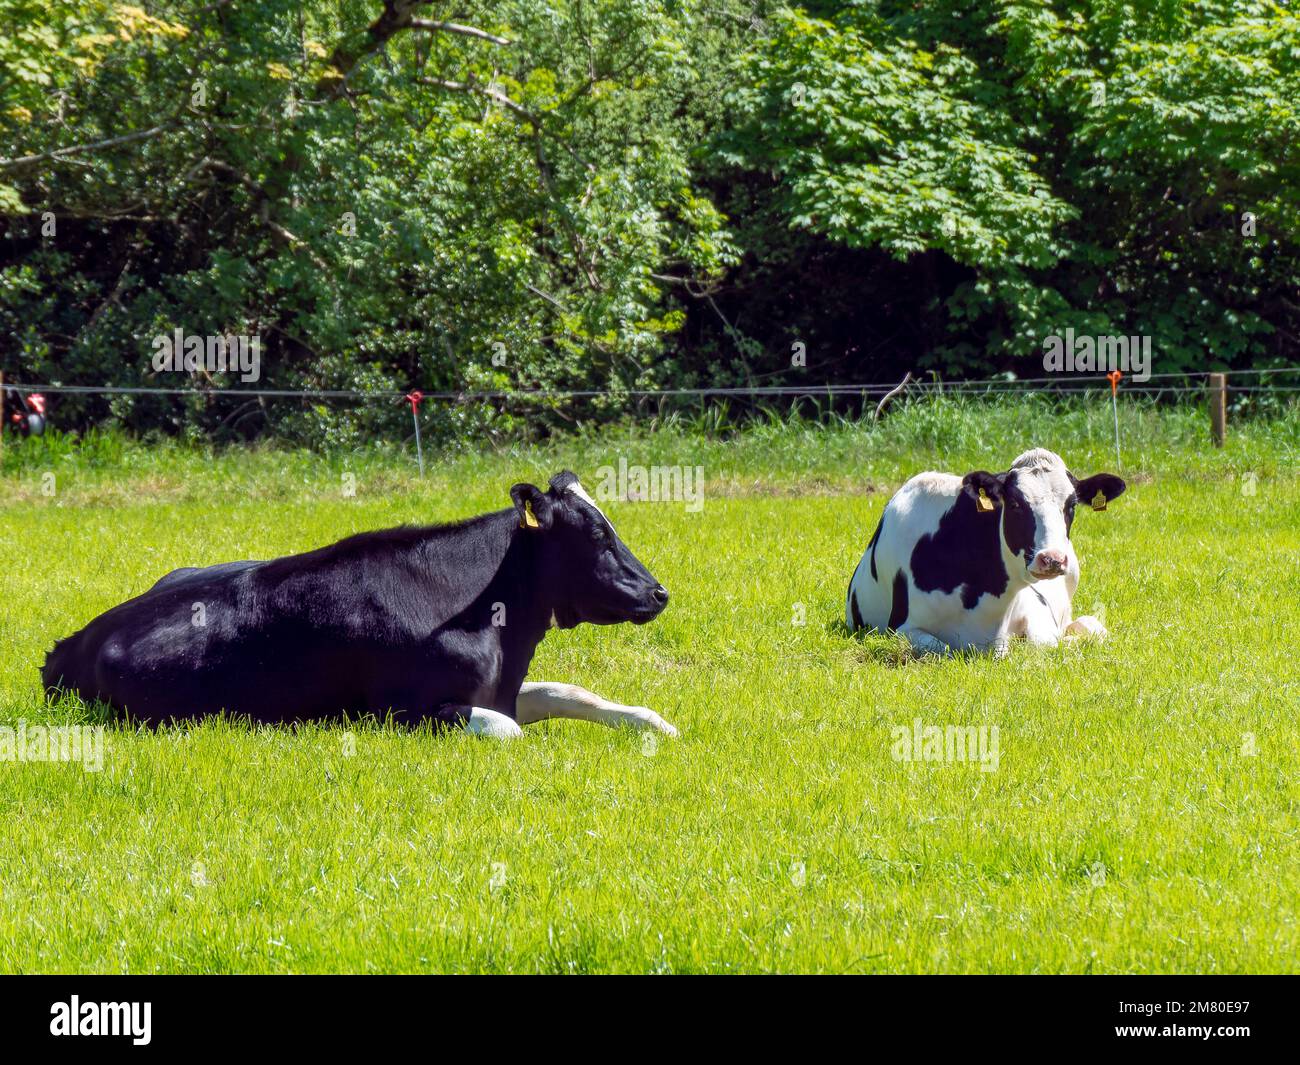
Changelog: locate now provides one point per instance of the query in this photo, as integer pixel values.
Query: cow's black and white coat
(435, 622)
(967, 563)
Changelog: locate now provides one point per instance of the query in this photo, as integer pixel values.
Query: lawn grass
(1127, 827)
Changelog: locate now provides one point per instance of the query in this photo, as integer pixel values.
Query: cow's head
(1034, 501)
(589, 572)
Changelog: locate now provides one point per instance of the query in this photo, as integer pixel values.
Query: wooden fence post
(1219, 408)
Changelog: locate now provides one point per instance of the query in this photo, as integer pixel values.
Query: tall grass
(778, 449)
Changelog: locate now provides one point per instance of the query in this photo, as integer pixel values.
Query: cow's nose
(1050, 561)
(660, 594)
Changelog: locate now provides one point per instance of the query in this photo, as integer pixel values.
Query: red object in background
(27, 417)
(1113, 377)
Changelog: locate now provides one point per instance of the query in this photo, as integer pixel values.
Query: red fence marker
(1114, 378)
(414, 398)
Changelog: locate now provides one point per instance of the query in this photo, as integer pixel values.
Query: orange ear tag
(984, 503)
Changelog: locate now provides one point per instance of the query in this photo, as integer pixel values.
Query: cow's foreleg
(1086, 627)
(1041, 628)
(924, 643)
(483, 722)
(538, 701)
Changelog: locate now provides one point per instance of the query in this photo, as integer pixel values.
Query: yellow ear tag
(984, 503)
(530, 519)
(1099, 500)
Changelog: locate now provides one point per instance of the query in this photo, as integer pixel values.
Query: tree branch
(439, 26)
(397, 16)
(259, 192)
(481, 90)
(80, 149)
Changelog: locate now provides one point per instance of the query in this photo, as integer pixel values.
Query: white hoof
(492, 723)
(1086, 628)
(645, 718)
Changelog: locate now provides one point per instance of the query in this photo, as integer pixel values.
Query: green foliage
(618, 195)
(464, 214)
(1093, 163)
(879, 142)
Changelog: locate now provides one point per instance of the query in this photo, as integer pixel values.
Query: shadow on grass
(882, 648)
(69, 708)
(892, 650)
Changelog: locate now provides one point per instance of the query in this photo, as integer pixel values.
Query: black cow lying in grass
(433, 622)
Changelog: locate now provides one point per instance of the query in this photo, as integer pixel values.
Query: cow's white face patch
(1042, 484)
(577, 489)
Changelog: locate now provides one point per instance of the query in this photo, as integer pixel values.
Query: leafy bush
(610, 196)
(1115, 168)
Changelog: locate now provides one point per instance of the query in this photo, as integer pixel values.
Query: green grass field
(1144, 815)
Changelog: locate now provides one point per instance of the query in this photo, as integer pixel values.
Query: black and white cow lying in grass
(437, 622)
(966, 563)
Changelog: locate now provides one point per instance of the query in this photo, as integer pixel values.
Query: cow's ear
(534, 506)
(985, 488)
(1099, 489)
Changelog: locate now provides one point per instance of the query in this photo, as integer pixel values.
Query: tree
(387, 195)
(1118, 168)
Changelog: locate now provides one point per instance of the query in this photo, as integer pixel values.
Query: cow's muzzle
(1048, 564)
(652, 606)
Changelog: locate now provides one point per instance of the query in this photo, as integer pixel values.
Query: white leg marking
(483, 722)
(923, 643)
(1087, 628)
(539, 700)
(1034, 618)
(1041, 629)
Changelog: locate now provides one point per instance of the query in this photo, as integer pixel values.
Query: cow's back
(396, 620)
(878, 588)
(196, 575)
(194, 643)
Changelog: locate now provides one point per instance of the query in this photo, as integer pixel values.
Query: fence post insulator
(413, 398)
(1114, 378)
